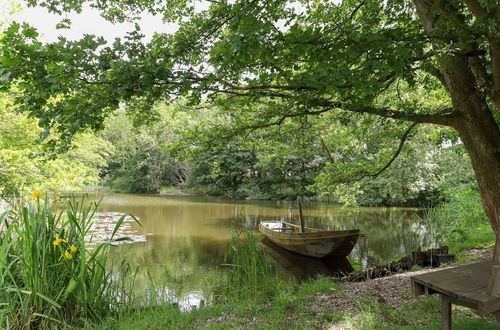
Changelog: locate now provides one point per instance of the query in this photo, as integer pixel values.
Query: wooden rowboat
(310, 242)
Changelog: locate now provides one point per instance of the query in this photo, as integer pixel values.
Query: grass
(286, 308)
(296, 308)
(250, 272)
(481, 236)
(425, 313)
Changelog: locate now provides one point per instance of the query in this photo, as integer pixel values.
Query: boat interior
(285, 227)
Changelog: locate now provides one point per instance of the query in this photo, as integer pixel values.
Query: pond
(184, 239)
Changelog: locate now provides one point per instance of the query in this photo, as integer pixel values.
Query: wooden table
(468, 285)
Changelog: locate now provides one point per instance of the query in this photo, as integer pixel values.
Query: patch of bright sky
(90, 22)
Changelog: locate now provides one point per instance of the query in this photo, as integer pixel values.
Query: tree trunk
(480, 134)
(482, 141)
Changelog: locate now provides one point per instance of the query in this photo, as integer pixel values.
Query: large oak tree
(293, 58)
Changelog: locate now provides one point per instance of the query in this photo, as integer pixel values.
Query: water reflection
(184, 238)
(303, 267)
(103, 226)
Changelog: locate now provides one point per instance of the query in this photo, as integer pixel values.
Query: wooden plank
(445, 313)
(463, 303)
(494, 281)
(467, 283)
(464, 285)
(490, 306)
(476, 270)
(458, 279)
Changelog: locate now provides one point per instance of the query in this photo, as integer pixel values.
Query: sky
(88, 22)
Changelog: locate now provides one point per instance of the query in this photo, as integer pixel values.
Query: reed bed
(460, 222)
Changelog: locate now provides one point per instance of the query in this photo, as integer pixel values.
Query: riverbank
(249, 292)
(384, 303)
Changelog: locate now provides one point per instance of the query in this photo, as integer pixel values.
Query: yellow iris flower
(68, 255)
(37, 194)
(73, 248)
(58, 241)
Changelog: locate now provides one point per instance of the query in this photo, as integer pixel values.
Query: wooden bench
(476, 286)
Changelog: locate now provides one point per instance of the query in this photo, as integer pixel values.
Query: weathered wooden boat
(311, 242)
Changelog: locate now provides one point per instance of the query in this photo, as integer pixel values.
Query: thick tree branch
(402, 141)
(444, 117)
(476, 8)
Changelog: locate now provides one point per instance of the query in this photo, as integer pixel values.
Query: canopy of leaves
(312, 56)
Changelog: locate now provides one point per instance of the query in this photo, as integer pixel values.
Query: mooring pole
(300, 216)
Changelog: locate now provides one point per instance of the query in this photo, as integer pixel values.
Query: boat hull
(312, 243)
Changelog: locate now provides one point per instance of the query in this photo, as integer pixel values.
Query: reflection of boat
(308, 241)
(303, 267)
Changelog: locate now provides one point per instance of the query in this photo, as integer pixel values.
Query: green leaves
(24, 169)
(253, 50)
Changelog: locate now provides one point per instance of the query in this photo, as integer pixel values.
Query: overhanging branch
(402, 141)
(374, 175)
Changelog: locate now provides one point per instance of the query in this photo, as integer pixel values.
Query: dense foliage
(183, 149)
(277, 63)
(24, 167)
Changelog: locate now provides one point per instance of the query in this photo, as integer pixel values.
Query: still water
(185, 238)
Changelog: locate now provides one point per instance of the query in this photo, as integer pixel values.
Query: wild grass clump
(48, 273)
(250, 273)
(460, 222)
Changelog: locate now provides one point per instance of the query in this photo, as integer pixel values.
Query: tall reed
(48, 272)
(250, 270)
(455, 219)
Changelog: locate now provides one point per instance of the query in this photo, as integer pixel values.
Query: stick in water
(300, 216)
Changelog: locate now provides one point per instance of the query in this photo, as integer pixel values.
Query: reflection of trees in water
(390, 233)
(190, 235)
(181, 264)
